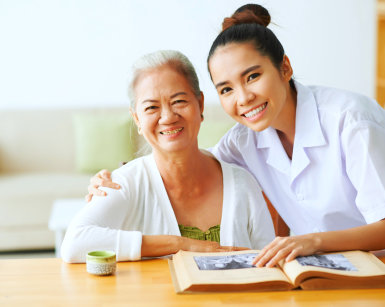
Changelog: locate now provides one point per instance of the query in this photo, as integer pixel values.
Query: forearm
(368, 237)
(160, 245)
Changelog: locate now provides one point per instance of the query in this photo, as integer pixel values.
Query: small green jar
(101, 262)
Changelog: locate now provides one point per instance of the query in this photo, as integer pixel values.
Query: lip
(257, 115)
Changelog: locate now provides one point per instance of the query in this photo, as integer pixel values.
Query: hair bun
(248, 13)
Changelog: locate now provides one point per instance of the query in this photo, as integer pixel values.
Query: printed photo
(229, 262)
(335, 261)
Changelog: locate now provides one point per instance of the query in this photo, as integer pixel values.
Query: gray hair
(160, 58)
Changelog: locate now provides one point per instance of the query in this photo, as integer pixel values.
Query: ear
(201, 102)
(136, 120)
(286, 69)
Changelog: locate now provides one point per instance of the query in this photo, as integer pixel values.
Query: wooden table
(51, 282)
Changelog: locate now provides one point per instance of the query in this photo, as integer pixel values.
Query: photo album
(232, 271)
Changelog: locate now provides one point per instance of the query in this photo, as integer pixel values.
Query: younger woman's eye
(253, 76)
(225, 90)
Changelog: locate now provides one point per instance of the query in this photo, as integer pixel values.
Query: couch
(50, 154)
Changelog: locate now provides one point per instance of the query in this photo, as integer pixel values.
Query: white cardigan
(142, 207)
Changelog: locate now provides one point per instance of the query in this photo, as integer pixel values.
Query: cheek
(228, 105)
(147, 122)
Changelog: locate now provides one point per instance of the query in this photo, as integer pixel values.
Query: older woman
(178, 197)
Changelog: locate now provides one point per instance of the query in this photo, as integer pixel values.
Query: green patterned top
(212, 234)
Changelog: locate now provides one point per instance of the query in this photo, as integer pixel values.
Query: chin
(258, 127)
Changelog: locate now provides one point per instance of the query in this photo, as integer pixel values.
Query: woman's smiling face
(167, 111)
(251, 89)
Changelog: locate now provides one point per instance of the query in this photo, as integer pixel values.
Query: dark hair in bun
(249, 24)
(249, 13)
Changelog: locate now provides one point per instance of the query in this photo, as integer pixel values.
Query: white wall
(76, 53)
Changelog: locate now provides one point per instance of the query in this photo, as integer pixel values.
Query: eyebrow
(177, 94)
(245, 72)
(149, 100)
(171, 97)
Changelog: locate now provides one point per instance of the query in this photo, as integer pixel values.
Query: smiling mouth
(169, 132)
(255, 111)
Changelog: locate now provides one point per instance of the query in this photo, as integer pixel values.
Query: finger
(100, 182)
(259, 256)
(110, 184)
(88, 198)
(262, 253)
(281, 254)
(96, 180)
(105, 174)
(269, 254)
(95, 191)
(294, 254)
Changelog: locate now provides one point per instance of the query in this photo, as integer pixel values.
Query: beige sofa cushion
(25, 206)
(41, 140)
(26, 199)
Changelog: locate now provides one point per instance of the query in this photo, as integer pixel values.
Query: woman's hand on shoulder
(287, 248)
(194, 245)
(101, 179)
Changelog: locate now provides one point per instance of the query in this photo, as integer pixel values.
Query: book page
(339, 264)
(223, 268)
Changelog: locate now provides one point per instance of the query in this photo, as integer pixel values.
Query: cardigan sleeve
(261, 228)
(99, 227)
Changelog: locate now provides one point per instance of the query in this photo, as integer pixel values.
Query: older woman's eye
(253, 76)
(178, 101)
(150, 108)
(225, 90)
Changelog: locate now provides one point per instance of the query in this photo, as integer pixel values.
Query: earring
(139, 130)
(202, 116)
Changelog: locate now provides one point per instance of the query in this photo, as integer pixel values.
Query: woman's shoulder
(238, 174)
(135, 169)
(349, 106)
(238, 135)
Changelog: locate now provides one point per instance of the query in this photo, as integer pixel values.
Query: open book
(232, 271)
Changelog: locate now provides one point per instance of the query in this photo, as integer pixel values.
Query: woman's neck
(182, 169)
(285, 122)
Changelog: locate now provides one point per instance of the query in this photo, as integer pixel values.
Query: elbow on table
(72, 250)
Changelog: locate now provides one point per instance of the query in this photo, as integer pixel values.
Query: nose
(244, 96)
(167, 116)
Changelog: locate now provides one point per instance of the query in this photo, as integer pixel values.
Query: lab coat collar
(308, 134)
(308, 131)
(277, 156)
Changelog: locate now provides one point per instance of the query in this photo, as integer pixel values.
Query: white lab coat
(336, 178)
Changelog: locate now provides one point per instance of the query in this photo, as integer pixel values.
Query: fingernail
(104, 193)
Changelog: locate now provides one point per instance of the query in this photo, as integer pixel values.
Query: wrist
(317, 241)
(178, 243)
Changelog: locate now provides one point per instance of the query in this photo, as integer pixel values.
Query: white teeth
(256, 111)
(171, 131)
